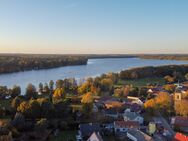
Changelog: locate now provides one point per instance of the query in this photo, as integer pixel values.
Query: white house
(135, 100)
(123, 126)
(95, 137)
(132, 116)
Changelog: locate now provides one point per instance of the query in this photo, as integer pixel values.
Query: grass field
(65, 135)
(141, 82)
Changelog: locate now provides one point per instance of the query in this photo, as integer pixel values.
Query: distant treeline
(165, 57)
(161, 71)
(22, 62)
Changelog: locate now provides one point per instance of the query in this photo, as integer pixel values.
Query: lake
(93, 68)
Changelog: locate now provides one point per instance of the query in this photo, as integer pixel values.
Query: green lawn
(141, 82)
(65, 135)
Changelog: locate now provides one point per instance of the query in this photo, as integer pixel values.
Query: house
(135, 108)
(137, 135)
(111, 113)
(113, 104)
(135, 100)
(180, 122)
(123, 126)
(132, 116)
(180, 137)
(95, 137)
(152, 128)
(86, 130)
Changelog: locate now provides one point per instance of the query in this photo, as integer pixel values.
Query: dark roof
(88, 129)
(127, 124)
(181, 121)
(135, 107)
(110, 112)
(140, 136)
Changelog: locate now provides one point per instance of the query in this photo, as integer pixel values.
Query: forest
(21, 62)
(165, 57)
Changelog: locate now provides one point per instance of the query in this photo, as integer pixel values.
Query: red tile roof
(180, 137)
(127, 124)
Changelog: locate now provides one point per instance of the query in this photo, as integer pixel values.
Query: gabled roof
(126, 124)
(140, 136)
(95, 137)
(181, 121)
(180, 137)
(111, 112)
(88, 129)
(130, 115)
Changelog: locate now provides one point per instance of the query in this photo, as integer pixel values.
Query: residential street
(160, 119)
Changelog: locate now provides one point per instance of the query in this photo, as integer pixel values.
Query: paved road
(165, 124)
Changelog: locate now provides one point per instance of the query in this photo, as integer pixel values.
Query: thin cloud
(70, 5)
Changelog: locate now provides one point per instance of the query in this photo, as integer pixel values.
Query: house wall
(118, 129)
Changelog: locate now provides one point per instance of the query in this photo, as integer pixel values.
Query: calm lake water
(94, 67)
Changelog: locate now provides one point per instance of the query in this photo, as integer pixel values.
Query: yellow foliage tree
(59, 93)
(87, 98)
(181, 108)
(161, 102)
(87, 103)
(150, 104)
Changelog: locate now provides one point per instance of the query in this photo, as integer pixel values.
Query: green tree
(59, 83)
(31, 91)
(16, 91)
(51, 85)
(46, 88)
(41, 87)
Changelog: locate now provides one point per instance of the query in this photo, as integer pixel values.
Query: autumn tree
(161, 103)
(169, 79)
(86, 86)
(122, 92)
(59, 95)
(16, 102)
(170, 88)
(24, 108)
(87, 103)
(181, 108)
(150, 105)
(164, 102)
(106, 84)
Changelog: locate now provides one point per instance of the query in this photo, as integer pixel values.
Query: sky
(94, 26)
